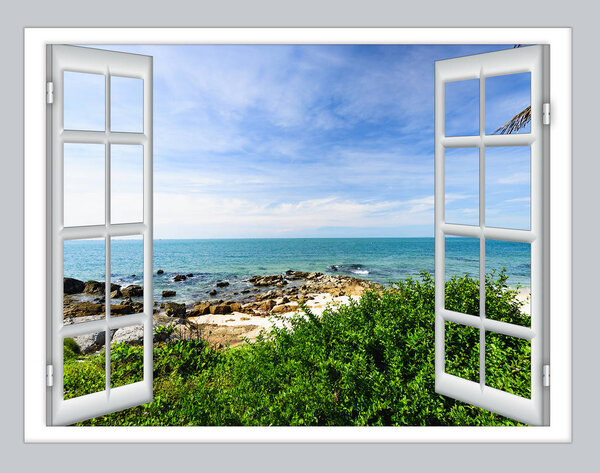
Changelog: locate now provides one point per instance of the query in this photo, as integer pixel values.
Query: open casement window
(493, 149)
(99, 119)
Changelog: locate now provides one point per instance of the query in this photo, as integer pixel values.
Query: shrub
(368, 363)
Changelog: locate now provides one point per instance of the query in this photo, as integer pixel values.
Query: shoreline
(268, 302)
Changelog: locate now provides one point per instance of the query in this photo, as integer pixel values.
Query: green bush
(368, 363)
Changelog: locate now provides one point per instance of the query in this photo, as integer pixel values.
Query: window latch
(49, 92)
(546, 114)
(546, 376)
(49, 376)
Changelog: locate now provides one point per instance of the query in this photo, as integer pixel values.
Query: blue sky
(313, 141)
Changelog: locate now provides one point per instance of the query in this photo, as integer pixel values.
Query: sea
(208, 261)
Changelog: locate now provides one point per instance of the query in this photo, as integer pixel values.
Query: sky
(261, 141)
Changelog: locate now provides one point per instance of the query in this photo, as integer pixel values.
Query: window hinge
(546, 114)
(49, 92)
(49, 375)
(546, 376)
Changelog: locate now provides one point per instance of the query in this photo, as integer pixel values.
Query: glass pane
(126, 104)
(84, 365)
(462, 351)
(84, 185)
(462, 108)
(127, 272)
(462, 275)
(84, 104)
(462, 185)
(508, 187)
(508, 364)
(508, 292)
(127, 356)
(84, 276)
(508, 103)
(127, 183)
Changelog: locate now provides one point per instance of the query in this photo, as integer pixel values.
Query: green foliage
(368, 363)
(71, 349)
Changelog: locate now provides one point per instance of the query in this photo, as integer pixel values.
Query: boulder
(179, 277)
(90, 342)
(235, 306)
(212, 293)
(72, 286)
(96, 288)
(134, 335)
(283, 308)
(201, 308)
(116, 293)
(120, 309)
(133, 291)
(267, 305)
(160, 271)
(223, 284)
(169, 293)
(267, 280)
(173, 309)
(220, 309)
(82, 309)
(190, 275)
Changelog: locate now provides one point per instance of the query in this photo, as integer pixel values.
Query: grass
(368, 363)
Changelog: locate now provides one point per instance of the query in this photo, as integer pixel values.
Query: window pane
(462, 275)
(127, 356)
(508, 364)
(84, 280)
(84, 184)
(462, 108)
(126, 104)
(127, 183)
(127, 272)
(507, 97)
(84, 365)
(508, 187)
(508, 266)
(462, 351)
(84, 104)
(462, 185)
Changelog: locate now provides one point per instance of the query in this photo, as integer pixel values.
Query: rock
(91, 342)
(220, 309)
(72, 286)
(282, 309)
(235, 306)
(281, 284)
(133, 291)
(314, 275)
(190, 275)
(223, 284)
(293, 275)
(120, 309)
(179, 277)
(202, 308)
(267, 280)
(96, 288)
(116, 293)
(267, 305)
(81, 309)
(173, 309)
(134, 335)
(169, 293)
(212, 293)
(272, 294)
(160, 271)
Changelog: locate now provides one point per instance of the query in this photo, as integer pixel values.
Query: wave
(359, 271)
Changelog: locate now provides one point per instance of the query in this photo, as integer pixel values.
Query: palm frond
(515, 123)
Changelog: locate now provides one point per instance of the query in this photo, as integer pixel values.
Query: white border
(36, 39)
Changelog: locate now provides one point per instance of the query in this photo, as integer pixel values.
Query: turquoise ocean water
(380, 260)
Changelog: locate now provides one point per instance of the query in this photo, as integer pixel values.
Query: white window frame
(481, 66)
(36, 40)
(109, 64)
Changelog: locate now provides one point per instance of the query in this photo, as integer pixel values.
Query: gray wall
(582, 16)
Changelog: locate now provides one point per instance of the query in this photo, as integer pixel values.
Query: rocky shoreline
(267, 301)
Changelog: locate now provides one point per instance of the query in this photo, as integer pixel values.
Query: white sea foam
(360, 271)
